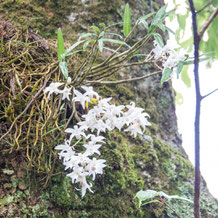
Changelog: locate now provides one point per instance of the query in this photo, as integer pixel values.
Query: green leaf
(60, 44)
(71, 53)
(192, 61)
(146, 16)
(188, 62)
(166, 75)
(149, 194)
(161, 26)
(142, 19)
(179, 68)
(86, 35)
(185, 77)
(145, 195)
(115, 24)
(102, 24)
(151, 29)
(171, 31)
(144, 23)
(158, 39)
(149, 202)
(64, 69)
(100, 42)
(115, 34)
(87, 43)
(62, 107)
(127, 21)
(96, 28)
(101, 35)
(51, 130)
(109, 49)
(173, 197)
(66, 53)
(159, 15)
(116, 41)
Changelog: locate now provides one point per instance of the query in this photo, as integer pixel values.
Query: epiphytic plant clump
(46, 116)
(104, 116)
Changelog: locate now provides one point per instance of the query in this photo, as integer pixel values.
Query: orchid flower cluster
(168, 55)
(103, 116)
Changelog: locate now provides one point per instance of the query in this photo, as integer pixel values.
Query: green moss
(114, 190)
(124, 92)
(209, 207)
(44, 17)
(164, 151)
(132, 164)
(106, 91)
(63, 194)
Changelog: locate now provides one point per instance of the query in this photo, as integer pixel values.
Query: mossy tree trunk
(154, 161)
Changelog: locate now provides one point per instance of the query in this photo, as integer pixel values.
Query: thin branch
(208, 22)
(205, 6)
(209, 93)
(196, 39)
(124, 80)
(163, 201)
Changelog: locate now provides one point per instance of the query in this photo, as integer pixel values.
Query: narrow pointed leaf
(173, 196)
(158, 39)
(60, 44)
(151, 29)
(179, 68)
(146, 16)
(109, 49)
(192, 61)
(62, 107)
(100, 42)
(116, 41)
(171, 31)
(95, 28)
(64, 69)
(149, 202)
(72, 47)
(159, 15)
(145, 195)
(102, 24)
(53, 130)
(71, 53)
(127, 21)
(185, 77)
(115, 34)
(166, 75)
(161, 26)
(87, 43)
(149, 194)
(144, 23)
(86, 35)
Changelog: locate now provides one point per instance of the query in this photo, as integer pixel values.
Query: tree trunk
(154, 161)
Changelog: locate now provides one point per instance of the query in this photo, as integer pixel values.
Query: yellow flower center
(92, 100)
